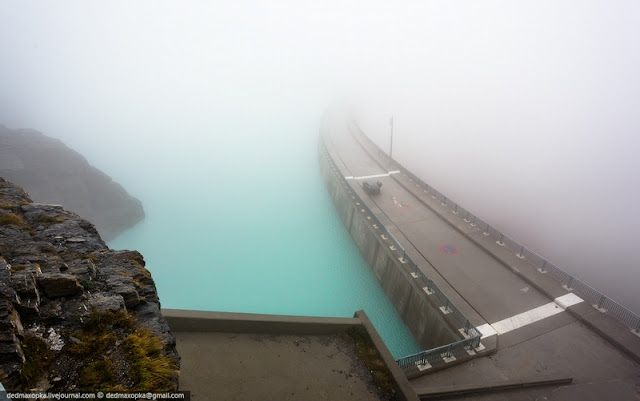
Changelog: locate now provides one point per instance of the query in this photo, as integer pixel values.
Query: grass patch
(100, 322)
(97, 333)
(367, 352)
(150, 367)
(37, 355)
(98, 376)
(12, 219)
(5, 205)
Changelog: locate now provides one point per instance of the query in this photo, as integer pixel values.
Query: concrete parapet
(226, 322)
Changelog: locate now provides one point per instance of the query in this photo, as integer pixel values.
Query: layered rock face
(53, 173)
(73, 313)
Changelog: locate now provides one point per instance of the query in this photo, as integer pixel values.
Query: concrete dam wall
(428, 325)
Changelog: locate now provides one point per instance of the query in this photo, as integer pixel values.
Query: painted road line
(568, 300)
(531, 316)
(364, 177)
(486, 330)
(526, 318)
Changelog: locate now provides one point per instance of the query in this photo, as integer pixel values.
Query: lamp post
(391, 137)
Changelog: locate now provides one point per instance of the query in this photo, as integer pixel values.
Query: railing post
(467, 326)
(601, 301)
(569, 282)
(544, 264)
(444, 201)
(520, 254)
(501, 241)
(446, 308)
(638, 326)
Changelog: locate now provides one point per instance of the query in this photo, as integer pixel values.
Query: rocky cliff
(74, 314)
(53, 173)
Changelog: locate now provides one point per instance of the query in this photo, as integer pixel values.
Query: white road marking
(531, 316)
(568, 300)
(364, 177)
(528, 317)
(486, 330)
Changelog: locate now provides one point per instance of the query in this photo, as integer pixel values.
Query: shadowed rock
(53, 173)
(58, 282)
(59, 285)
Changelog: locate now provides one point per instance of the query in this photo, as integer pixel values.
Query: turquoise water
(245, 224)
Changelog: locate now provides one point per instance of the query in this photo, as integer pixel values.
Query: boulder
(59, 284)
(102, 303)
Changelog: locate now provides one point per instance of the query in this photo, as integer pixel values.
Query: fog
(526, 113)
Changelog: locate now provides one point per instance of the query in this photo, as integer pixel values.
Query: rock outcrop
(74, 314)
(55, 174)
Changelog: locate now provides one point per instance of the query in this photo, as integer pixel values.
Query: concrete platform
(244, 367)
(538, 334)
(241, 356)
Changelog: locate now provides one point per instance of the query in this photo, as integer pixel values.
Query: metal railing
(437, 355)
(571, 283)
(437, 297)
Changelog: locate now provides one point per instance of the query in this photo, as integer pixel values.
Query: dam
(489, 314)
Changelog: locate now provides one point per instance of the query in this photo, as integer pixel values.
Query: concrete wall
(226, 322)
(425, 321)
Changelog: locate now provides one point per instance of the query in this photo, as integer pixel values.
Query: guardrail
(569, 282)
(454, 315)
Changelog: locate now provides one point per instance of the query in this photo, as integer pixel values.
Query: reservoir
(238, 219)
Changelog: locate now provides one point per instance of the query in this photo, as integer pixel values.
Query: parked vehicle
(372, 187)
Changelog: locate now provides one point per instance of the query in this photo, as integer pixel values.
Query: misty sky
(525, 112)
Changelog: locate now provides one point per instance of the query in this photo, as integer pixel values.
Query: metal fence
(571, 283)
(437, 297)
(437, 355)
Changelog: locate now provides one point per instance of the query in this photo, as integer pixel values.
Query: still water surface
(244, 223)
